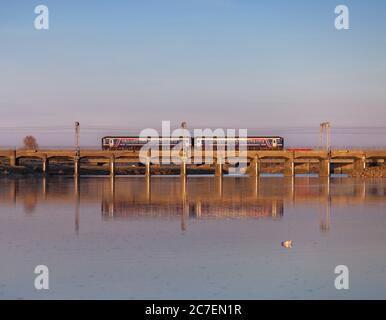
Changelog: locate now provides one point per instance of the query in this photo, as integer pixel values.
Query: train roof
(191, 137)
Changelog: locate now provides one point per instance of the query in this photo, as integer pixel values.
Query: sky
(274, 67)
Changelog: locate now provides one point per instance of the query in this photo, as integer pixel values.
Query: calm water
(204, 238)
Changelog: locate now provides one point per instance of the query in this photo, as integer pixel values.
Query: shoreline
(34, 168)
(370, 172)
(92, 170)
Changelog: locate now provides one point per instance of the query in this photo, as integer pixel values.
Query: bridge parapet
(348, 154)
(376, 154)
(312, 154)
(6, 153)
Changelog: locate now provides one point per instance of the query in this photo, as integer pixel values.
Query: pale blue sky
(218, 63)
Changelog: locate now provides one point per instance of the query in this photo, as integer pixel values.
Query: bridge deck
(290, 158)
(285, 154)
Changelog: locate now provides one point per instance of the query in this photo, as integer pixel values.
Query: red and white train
(136, 143)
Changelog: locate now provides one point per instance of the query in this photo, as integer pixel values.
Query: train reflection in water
(199, 209)
(201, 199)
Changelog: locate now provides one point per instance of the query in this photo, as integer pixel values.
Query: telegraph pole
(77, 136)
(77, 151)
(184, 126)
(325, 128)
(184, 151)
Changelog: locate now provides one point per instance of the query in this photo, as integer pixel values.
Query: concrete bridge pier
(44, 164)
(112, 166)
(289, 168)
(254, 167)
(183, 167)
(148, 168)
(76, 167)
(218, 168)
(13, 160)
(324, 168)
(360, 164)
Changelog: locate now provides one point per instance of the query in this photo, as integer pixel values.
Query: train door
(198, 143)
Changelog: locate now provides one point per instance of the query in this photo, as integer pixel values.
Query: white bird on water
(287, 244)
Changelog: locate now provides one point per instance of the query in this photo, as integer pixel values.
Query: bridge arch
(60, 158)
(35, 157)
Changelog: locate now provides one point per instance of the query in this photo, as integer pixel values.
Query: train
(135, 143)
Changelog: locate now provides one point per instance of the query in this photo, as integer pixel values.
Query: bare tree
(30, 143)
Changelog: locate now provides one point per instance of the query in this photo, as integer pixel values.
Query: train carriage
(251, 143)
(136, 143)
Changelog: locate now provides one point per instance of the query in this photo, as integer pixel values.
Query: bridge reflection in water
(191, 198)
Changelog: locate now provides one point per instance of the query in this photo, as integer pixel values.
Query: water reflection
(191, 198)
(77, 203)
(187, 198)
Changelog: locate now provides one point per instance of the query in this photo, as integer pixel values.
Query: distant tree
(30, 143)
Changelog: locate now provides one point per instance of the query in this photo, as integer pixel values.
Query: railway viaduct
(357, 159)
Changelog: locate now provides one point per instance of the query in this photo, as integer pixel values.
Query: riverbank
(370, 172)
